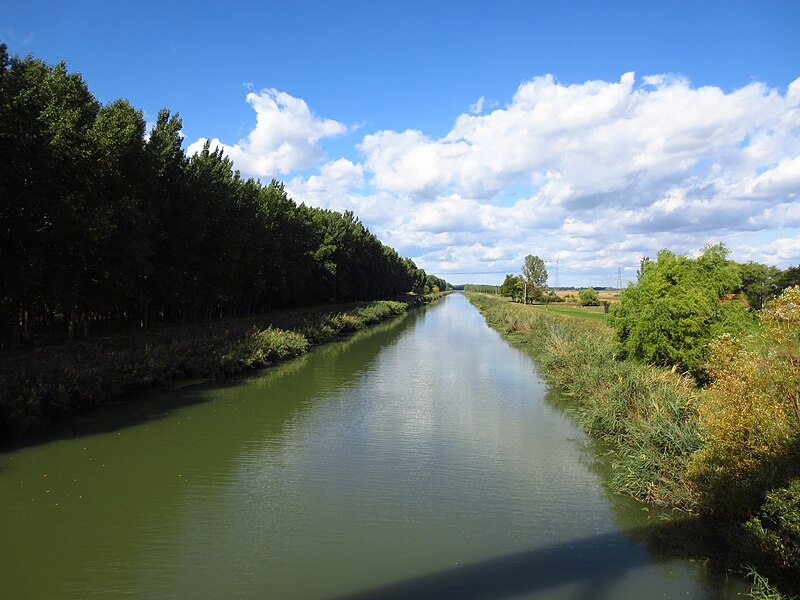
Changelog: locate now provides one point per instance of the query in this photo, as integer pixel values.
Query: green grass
(762, 589)
(587, 312)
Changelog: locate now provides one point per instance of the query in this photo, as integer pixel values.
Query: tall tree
(121, 224)
(534, 275)
(100, 223)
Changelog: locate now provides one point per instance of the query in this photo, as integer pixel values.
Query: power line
(476, 273)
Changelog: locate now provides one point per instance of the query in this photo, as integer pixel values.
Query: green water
(420, 459)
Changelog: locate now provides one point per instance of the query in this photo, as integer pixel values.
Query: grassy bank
(40, 386)
(647, 414)
(650, 418)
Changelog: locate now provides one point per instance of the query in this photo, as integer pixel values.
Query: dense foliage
(105, 226)
(512, 288)
(588, 297)
(749, 467)
(678, 305)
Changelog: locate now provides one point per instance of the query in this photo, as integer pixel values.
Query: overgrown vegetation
(678, 305)
(728, 452)
(649, 415)
(37, 386)
(748, 469)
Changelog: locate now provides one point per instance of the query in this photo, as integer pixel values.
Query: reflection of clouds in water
(411, 452)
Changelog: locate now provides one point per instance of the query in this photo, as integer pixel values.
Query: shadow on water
(593, 565)
(140, 408)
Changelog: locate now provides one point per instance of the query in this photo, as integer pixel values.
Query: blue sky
(468, 134)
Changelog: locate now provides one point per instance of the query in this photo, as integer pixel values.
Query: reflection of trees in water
(153, 405)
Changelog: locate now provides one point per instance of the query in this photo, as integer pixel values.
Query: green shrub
(776, 529)
(677, 307)
(588, 297)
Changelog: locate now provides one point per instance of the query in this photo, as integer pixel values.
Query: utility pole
(557, 260)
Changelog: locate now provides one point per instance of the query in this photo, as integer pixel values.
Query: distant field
(589, 312)
(611, 296)
(571, 308)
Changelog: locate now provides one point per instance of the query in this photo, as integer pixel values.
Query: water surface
(420, 459)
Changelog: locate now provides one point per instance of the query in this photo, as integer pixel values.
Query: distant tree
(481, 288)
(512, 287)
(589, 297)
(759, 283)
(534, 276)
(788, 278)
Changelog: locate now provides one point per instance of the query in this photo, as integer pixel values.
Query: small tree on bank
(534, 277)
(512, 287)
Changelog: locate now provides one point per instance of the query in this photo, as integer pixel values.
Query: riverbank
(39, 386)
(647, 416)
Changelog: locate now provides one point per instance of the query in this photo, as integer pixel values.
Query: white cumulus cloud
(591, 175)
(286, 137)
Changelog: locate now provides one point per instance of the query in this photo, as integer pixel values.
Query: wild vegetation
(696, 396)
(43, 384)
(647, 415)
(678, 305)
(106, 227)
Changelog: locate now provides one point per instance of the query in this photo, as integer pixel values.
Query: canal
(423, 458)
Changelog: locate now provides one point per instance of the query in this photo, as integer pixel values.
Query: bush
(751, 417)
(676, 308)
(776, 529)
(589, 297)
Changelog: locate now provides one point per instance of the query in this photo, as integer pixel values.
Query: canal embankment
(43, 385)
(649, 421)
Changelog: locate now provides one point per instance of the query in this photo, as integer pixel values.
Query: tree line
(105, 226)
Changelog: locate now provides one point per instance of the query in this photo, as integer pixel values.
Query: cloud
(594, 174)
(286, 137)
(781, 181)
(477, 107)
